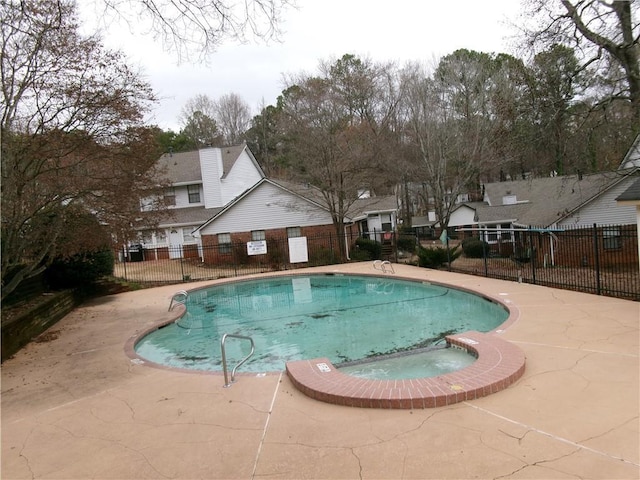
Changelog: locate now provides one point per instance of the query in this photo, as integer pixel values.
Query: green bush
(473, 247)
(80, 270)
(366, 249)
(407, 243)
(405, 230)
(436, 257)
(240, 255)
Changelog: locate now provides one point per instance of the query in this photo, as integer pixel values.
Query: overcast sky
(399, 30)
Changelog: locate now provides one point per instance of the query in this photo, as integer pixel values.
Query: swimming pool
(344, 318)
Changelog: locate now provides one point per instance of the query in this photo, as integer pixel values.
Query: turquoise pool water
(342, 317)
(429, 363)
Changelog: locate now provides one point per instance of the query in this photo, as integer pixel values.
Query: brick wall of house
(319, 237)
(576, 248)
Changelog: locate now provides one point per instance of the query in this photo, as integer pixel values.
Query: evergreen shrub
(473, 247)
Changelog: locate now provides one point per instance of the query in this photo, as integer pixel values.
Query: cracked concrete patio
(76, 407)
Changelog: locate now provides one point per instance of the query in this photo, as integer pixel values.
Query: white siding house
(632, 158)
(461, 216)
(603, 209)
(266, 206)
(202, 183)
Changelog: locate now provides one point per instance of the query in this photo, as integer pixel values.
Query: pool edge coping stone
(499, 364)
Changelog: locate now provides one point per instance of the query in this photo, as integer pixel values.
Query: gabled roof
(422, 222)
(360, 208)
(544, 201)
(631, 194)
(313, 195)
(230, 155)
(184, 167)
(277, 184)
(363, 207)
(632, 158)
(187, 216)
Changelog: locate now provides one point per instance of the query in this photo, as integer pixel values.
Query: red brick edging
(498, 365)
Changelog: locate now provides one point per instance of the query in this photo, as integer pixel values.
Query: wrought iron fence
(599, 259)
(187, 263)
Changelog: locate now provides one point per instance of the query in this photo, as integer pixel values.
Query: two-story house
(202, 182)
(220, 196)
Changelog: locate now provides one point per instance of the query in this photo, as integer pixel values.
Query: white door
(375, 225)
(175, 243)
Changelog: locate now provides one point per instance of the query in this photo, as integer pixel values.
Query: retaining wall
(20, 330)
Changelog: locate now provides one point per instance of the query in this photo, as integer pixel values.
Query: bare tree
(73, 139)
(198, 122)
(335, 125)
(448, 128)
(196, 28)
(233, 117)
(199, 103)
(606, 33)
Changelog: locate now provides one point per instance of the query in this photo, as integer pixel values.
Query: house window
(187, 234)
(492, 234)
(170, 196)
(147, 237)
(385, 219)
(293, 232)
(194, 193)
(611, 238)
(257, 235)
(505, 235)
(224, 242)
(161, 237)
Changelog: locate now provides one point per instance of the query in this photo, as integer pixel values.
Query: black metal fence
(597, 259)
(600, 259)
(187, 263)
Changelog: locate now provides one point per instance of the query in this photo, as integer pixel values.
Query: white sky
(399, 30)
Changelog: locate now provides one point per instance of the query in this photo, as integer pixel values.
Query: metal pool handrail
(382, 265)
(178, 298)
(228, 383)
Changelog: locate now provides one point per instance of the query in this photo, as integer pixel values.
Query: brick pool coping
(499, 364)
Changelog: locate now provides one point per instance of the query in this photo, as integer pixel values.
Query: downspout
(346, 242)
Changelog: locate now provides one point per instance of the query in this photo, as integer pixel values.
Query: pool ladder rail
(384, 265)
(227, 382)
(178, 298)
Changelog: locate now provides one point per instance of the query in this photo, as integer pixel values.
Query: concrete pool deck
(74, 406)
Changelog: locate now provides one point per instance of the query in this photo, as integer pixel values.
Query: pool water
(342, 317)
(429, 363)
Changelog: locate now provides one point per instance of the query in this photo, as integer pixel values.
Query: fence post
(124, 262)
(182, 268)
(596, 254)
(340, 255)
(448, 251)
(533, 257)
(484, 255)
(284, 248)
(394, 247)
(234, 253)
